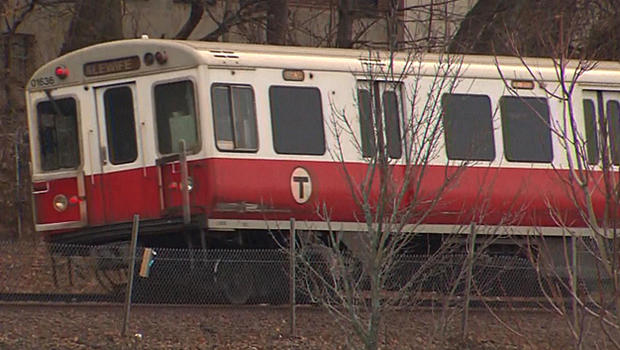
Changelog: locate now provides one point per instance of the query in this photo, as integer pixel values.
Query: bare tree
(89, 27)
(273, 15)
(501, 27)
(584, 267)
(359, 276)
(15, 66)
(579, 271)
(14, 13)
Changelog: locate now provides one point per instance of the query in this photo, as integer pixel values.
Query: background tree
(344, 37)
(89, 26)
(277, 22)
(274, 14)
(15, 67)
(506, 27)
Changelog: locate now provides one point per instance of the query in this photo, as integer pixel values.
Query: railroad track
(58, 298)
(427, 301)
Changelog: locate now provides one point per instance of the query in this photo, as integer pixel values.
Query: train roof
(134, 57)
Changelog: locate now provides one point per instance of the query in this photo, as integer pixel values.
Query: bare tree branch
(195, 16)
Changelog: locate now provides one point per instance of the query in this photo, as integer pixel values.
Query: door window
(391, 103)
(58, 134)
(589, 114)
(120, 125)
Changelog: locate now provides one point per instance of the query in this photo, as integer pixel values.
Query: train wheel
(111, 268)
(236, 281)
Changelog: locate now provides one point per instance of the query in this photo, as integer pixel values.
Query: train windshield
(58, 138)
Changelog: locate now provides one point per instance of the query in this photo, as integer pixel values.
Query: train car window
(589, 114)
(175, 110)
(613, 125)
(120, 125)
(525, 129)
(366, 123)
(58, 134)
(468, 127)
(391, 114)
(297, 120)
(389, 100)
(234, 117)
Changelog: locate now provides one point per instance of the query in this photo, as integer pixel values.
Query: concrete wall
(434, 22)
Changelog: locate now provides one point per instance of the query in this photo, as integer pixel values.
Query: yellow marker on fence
(147, 261)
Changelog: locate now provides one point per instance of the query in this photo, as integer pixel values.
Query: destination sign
(116, 65)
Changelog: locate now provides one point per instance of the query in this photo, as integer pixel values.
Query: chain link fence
(14, 183)
(183, 276)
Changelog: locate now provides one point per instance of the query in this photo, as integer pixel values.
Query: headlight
(190, 184)
(60, 202)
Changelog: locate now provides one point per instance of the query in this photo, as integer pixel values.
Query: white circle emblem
(301, 185)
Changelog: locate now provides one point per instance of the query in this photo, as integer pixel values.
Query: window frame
(78, 119)
(321, 106)
(190, 151)
(505, 132)
(229, 87)
(491, 130)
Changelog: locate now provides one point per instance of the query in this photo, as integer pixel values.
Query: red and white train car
(109, 123)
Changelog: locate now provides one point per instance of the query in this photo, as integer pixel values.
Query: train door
(58, 179)
(380, 108)
(602, 108)
(121, 177)
(176, 121)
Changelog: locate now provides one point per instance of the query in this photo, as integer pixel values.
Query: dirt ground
(53, 327)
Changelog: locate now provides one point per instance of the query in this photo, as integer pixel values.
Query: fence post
(573, 242)
(470, 266)
(18, 184)
(132, 265)
(184, 182)
(292, 277)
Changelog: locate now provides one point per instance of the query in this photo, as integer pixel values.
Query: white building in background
(313, 22)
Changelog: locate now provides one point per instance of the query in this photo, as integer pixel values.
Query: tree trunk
(393, 26)
(344, 36)
(372, 340)
(277, 21)
(94, 21)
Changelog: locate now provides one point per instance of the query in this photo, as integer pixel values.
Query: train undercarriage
(237, 266)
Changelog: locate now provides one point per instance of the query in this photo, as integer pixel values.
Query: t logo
(301, 185)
